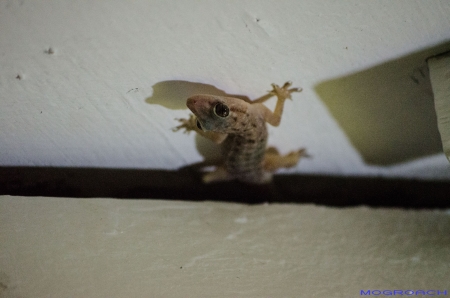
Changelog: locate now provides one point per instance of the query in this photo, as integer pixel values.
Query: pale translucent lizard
(240, 126)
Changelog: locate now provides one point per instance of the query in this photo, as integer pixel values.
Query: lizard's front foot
(187, 124)
(284, 92)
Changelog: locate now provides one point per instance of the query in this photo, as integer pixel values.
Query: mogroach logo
(403, 293)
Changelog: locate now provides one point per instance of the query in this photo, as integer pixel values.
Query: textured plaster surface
(79, 80)
(56, 247)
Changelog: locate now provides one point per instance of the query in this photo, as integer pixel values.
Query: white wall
(108, 95)
(58, 247)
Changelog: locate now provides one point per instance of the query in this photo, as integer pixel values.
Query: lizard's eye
(221, 110)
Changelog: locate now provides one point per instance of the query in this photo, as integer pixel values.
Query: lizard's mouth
(199, 125)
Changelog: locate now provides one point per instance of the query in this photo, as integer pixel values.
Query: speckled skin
(244, 147)
(241, 127)
(243, 158)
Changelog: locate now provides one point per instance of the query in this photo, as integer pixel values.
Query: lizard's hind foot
(273, 160)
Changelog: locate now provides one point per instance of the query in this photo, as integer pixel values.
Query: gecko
(239, 125)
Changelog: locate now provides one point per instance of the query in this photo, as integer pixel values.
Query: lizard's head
(217, 113)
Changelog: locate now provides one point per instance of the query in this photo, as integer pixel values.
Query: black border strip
(186, 185)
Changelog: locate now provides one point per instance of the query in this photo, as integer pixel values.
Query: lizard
(240, 126)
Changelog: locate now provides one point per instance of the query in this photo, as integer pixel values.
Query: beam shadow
(387, 111)
(186, 185)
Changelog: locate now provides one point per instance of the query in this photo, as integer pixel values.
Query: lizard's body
(241, 127)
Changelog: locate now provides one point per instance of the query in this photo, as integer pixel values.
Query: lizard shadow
(172, 94)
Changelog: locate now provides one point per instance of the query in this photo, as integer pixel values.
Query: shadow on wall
(173, 94)
(387, 111)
